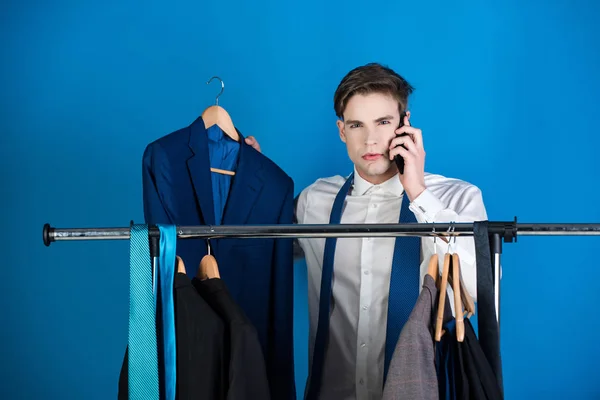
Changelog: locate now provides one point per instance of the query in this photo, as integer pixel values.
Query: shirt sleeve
(300, 206)
(464, 204)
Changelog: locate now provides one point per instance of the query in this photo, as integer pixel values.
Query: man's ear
(340, 125)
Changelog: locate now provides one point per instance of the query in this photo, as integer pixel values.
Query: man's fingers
(418, 138)
(407, 141)
(402, 151)
(251, 141)
(415, 134)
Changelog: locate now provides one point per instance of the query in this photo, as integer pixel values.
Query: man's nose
(371, 137)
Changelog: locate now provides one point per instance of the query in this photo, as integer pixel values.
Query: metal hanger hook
(222, 87)
(208, 246)
(453, 222)
(451, 230)
(434, 236)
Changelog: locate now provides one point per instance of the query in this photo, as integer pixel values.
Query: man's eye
(354, 125)
(384, 122)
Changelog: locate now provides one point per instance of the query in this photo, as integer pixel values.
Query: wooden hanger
(442, 299)
(450, 264)
(180, 265)
(458, 305)
(466, 298)
(209, 268)
(434, 269)
(216, 115)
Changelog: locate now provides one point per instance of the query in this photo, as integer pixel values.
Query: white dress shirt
(353, 366)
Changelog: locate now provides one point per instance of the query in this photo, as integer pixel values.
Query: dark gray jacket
(412, 373)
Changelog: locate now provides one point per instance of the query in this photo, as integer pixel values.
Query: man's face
(368, 128)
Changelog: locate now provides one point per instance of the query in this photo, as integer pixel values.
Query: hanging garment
(166, 308)
(403, 291)
(464, 372)
(412, 373)
(247, 375)
(487, 322)
(482, 382)
(450, 368)
(142, 341)
(472, 369)
(201, 361)
(177, 189)
(162, 321)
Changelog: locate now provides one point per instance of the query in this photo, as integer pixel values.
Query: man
(369, 102)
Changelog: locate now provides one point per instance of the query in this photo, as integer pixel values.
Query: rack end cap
(46, 234)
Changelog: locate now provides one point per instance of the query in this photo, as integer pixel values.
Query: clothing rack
(497, 230)
(506, 230)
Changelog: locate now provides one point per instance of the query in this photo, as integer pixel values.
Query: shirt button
(361, 381)
(363, 345)
(374, 205)
(367, 272)
(365, 308)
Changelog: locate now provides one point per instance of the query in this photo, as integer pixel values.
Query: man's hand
(251, 141)
(413, 179)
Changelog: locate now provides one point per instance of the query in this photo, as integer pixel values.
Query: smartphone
(398, 158)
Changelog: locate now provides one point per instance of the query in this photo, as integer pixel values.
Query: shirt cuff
(426, 206)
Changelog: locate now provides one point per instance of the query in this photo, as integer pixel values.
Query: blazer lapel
(199, 168)
(246, 186)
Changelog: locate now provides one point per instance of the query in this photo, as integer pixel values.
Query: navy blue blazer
(177, 189)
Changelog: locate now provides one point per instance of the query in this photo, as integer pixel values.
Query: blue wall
(507, 97)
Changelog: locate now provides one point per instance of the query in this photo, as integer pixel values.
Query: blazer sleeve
(153, 174)
(280, 361)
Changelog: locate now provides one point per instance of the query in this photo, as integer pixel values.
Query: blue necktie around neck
(404, 288)
(143, 357)
(404, 282)
(166, 273)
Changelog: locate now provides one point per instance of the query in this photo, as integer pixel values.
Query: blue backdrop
(506, 96)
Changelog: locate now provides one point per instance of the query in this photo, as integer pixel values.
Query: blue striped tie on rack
(143, 359)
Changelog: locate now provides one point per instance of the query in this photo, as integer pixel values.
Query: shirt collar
(362, 187)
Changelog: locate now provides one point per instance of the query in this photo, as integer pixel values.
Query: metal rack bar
(507, 230)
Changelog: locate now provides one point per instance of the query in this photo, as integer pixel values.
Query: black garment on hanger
(472, 369)
(201, 363)
(487, 323)
(247, 374)
(481, 379)
(464, 372)
(452, 378)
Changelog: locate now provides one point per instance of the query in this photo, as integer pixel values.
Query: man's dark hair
(371, 78)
